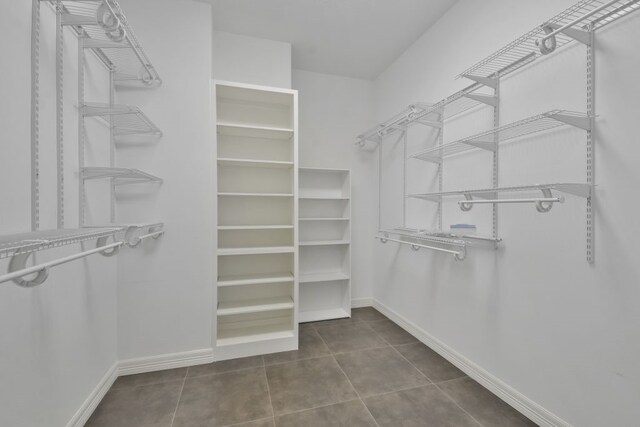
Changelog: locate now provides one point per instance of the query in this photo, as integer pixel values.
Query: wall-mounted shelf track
(121, 176)
(105, 29)
(488, 140)
(574, 23)
(124, 119)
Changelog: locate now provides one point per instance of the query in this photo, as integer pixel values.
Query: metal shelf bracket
(491, 82)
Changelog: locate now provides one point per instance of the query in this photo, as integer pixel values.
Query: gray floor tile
(145, 406)
(391, 333)
(150, 378)
(379, 371)
(309, 345)
(350, 337)
(224, 399)
(430, 363)
(346, 414)
(268, 422)
(366, 314)
(418, 407)
(306, 384)
(225, 366)
(483, 405)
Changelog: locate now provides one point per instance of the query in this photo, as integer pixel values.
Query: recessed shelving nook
(325, 242)
(257, 189)
(579, 23)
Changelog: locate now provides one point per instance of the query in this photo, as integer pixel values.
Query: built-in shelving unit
(325, 229)
(257, 287)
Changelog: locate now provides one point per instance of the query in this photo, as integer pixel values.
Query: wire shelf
(446, 109)
(121, 176)
(486, 140)
(580, 190)
(107, 31)
(425, 236)
(524, 49)
(125, 119)
(24, 243)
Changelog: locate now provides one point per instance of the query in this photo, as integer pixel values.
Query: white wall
(245, 59)
(165, 288)
(332, 111)
(58, 339)
(534, 314)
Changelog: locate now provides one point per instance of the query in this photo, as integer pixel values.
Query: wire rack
(23, 243)
(425, 236)
(487, 140)
(118, 47)
(576, 189)
(121, 176)
(524, 49)
(125, 119)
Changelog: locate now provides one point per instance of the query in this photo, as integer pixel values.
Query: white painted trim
(361, 302)
(517, 400)
(141, 365)
(91, 403)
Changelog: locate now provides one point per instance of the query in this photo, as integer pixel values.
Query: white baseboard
(361, 302)
(141, 365)
(517, 400)
(91, 403)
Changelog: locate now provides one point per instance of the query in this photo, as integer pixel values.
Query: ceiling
(353, 38)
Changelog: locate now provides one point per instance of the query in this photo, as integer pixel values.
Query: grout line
(175, 411)
(451, 379)
(414, 366)
(298, 360)
(247, 422)
(413, 387)
(318, 407)
(458, 405)
(266, 378)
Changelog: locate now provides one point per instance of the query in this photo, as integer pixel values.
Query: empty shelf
(119, 49)
(256, 251)
(323, 277)
(254, 279)
(324, 219)
(230, 308)
(120, 175)
(254, 227)
(524, 50)
(319, 315)
(251, 131)
(225, 194)
(23, 243)
(253, 334)
(324, 242)
(323, 198)
(487, 140)
(254, 163)
(581, 190)
(125, 119)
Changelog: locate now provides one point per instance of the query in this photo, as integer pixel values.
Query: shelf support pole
(591, 112)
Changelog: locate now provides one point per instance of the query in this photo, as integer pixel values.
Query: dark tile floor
(363, 371)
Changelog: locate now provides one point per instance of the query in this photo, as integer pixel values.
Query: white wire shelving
(487, 140)
(124, 119)
(26, 243)
(105, 29)
(429, 114)
(421, 239)
(121, 176)
(574, 23)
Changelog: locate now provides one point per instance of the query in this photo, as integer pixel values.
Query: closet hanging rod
(43, 269)
(458, 255)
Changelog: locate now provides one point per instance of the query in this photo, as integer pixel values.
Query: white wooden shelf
(323, 198)
(235, 194)
(256, 251)
(255, 279)
(230, 308)
(324, 242)
(319, 315)
(323, 219)
(323, 277)
(254, 227)
(225, 161)
(254, 131)
(253, 335)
